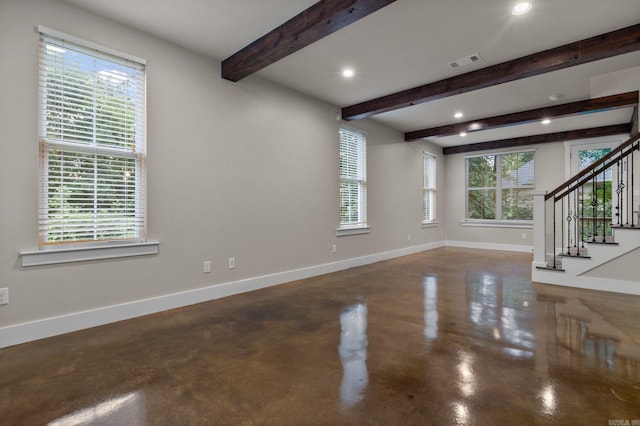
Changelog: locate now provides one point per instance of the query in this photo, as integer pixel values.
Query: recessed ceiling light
(463, 134)
(521, 8)
(546, 121)
(348, 72)
(458, 115)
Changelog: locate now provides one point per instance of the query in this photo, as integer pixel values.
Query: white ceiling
(403, 45)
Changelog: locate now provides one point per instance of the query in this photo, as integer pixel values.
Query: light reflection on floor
(430, 283)
(448, 336)
(500, 307)
(126, 409)
(353, 354)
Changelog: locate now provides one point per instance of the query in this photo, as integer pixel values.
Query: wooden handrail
(592, 167)
(594, 173)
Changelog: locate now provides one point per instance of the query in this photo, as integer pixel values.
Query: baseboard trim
(490, 246)
(547, 277)
(34, 330)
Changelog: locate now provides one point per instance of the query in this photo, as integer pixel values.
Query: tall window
(92, 144)
(429, 188)
(499, 186)
(353, 178)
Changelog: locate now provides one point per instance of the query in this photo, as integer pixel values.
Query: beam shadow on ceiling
(323, 18)
(605, 103)
(594, 132)
(602, 46)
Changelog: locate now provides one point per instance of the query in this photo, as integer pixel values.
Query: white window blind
(353, 178)
(499, 186)
(92, 145)
(429, 188)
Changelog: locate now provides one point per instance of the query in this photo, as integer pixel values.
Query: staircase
(586, 231)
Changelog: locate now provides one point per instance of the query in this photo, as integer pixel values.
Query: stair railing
(587, 207)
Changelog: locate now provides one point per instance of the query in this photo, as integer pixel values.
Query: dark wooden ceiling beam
(316, 22)
(605, 103)
(540, 139)
(592, 49)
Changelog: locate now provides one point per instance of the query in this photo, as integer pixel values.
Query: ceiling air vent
(474, 57)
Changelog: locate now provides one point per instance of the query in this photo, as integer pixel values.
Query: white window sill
(520, 224)
(77, 254)
(432, 224)
(342, 232)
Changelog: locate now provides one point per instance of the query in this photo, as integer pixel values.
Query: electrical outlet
(524, 236)
(4, 296)
(334, 248)
(408, 237)
(206, 267)
(232, 263)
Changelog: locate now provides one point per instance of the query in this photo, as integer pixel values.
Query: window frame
(499, 214)
(135, 244)
(357, 175)
(429, 188)
(96, 157)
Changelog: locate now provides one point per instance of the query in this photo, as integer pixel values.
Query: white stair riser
(627, 240)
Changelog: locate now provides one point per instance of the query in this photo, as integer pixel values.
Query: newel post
(539, 229)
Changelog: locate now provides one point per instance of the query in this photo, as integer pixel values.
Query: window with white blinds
(499, 186)
(429, 188)
(353, 178)
(92, 144)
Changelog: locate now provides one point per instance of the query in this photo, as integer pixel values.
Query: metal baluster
(604, 206)
(569, 227)
(553, 247)
(577, 224)
(617, 207)
(582, 216)
(629, 203)
(619, 192)
(633, 219)
(594, 205)
(562, 224)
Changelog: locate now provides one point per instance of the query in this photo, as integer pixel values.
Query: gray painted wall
(625, 267)
(246, 170)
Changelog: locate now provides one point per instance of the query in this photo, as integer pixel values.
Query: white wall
(246, 170)
(624, 268)
(621, 81)
(550, 172)
(615, 82)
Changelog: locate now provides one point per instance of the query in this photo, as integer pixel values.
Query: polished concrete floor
(449, 336)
